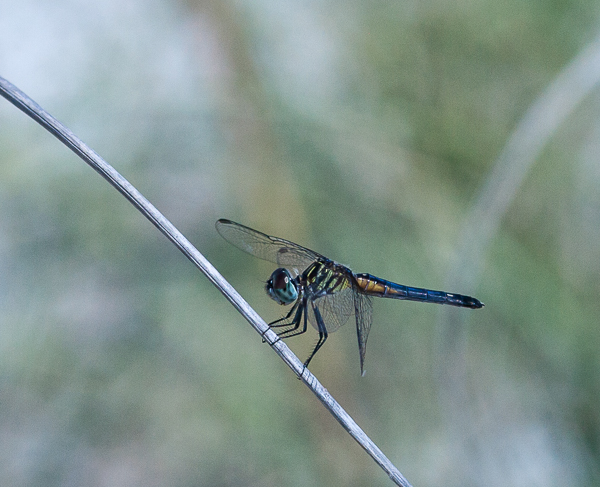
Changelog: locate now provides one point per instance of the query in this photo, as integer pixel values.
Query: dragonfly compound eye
(281, 287)
(281, 279)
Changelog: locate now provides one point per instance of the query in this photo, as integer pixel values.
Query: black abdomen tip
(464, 301)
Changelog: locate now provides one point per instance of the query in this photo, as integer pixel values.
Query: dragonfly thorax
(281, 287)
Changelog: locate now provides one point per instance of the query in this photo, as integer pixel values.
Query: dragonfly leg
(284, 321)
(295, 324)
(322, 333)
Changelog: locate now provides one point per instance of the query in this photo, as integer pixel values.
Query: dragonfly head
(281, 287)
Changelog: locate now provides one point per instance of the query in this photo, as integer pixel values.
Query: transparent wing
(263, 246)
(335, 308)
(363, 306)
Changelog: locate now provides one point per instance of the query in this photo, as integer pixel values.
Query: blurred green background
(370, 132)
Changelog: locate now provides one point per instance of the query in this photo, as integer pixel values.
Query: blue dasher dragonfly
(321, 291)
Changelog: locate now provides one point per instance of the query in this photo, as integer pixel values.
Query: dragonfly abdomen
(376, 286)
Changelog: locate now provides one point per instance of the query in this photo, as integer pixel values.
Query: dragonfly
(323, 292)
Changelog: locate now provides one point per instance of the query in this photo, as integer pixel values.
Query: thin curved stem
(27, 105)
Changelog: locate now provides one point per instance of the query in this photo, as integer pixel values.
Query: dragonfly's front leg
(295, 324)
(284, 321)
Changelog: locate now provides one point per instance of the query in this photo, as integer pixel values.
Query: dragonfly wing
(363, 306)
(274, 249)
(335, 308)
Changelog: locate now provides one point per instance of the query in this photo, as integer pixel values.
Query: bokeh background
(450, 145)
